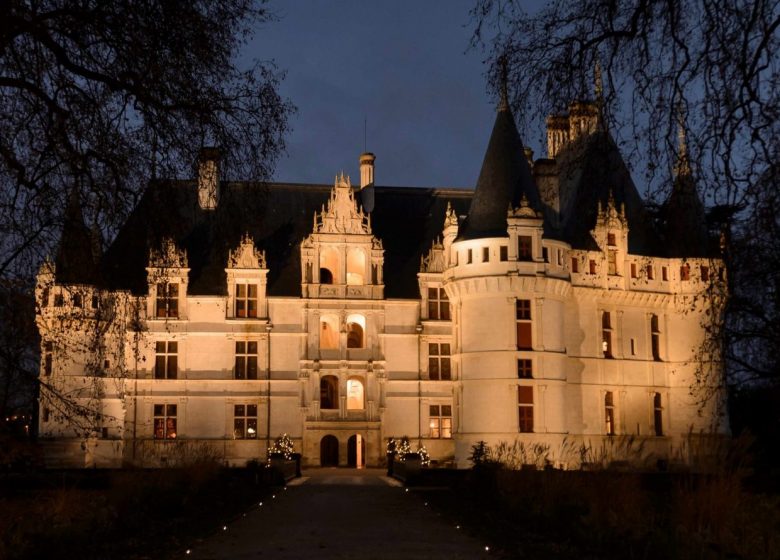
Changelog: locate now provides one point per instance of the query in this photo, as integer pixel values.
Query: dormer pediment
(342, 214)
(246, 255)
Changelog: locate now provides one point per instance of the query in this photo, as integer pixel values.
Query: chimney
(366, 169)
(208, 178)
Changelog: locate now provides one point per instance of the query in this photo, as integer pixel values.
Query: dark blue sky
(404, 65)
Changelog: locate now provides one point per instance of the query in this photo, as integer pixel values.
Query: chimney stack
(208, 178)
(366, 169)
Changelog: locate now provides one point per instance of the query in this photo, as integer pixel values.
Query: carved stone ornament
(523, 211)
(342, 214)
(450, 218)
(168, 256)
(434, 261)
(246, 255)
(610, 217)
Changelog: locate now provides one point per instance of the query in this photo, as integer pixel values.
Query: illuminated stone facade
(518, 327)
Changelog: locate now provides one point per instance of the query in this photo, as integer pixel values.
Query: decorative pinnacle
(598, 83)
(682, 166)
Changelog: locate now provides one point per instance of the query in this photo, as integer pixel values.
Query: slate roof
(278, 216)
(589, 169)
(505, 178)
(74, 261)
(686, 230)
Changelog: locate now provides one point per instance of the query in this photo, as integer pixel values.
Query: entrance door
(329, 451)
(356, 451)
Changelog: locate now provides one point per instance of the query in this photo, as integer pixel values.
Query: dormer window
(685, 272)
(611, 240)
(524, 252)
(167, 304)
(246, 300)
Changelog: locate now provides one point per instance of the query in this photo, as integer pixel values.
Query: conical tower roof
(503, 180)
(75, 260)
(686, 231)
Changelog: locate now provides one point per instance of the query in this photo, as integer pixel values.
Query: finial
(598, 83)
(503, 104)
(682, 166)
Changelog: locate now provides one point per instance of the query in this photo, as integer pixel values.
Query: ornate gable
(168, 255)
(342, 214)
(246, 255)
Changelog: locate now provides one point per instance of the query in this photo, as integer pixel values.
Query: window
(356, 326)
(705, 273)
(95, 302)
(469, 255)
(525, 407)
(246, 360)
(438, 304)
(633, 270)
(329, 332)
(612, 263)
(545, 255)
(165, 421)
(246, 300)
(166, 363)
(48, 358)
(245, 421)
(45, 297)
(525, 369)
(524, 252)
(355, 395)
(485, 254)
(356, 267)
(439, 361)
(611, 239)
(523, 318)
(78, 300)
(665, 274)
(575, 265)
(167, 299)
(658, 415)
(440, 420)
(633, 347)
(650, 272)
(655, 336)
(606, 334)
(609, 413)
(329, 265)
(560, 257)
(46, 414)
(59, 300)
(685, 272)
(503, 253)
(591, 266)
(329, 392)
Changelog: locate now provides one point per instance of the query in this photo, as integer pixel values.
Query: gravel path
(340, 514)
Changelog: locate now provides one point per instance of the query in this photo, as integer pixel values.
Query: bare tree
(103, 96)
(712, 62)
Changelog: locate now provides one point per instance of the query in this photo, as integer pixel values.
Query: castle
(549, 306)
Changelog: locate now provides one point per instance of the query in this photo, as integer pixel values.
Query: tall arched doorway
(329, 451)
(356, 451)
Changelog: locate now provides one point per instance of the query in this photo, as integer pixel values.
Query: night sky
(406, 66)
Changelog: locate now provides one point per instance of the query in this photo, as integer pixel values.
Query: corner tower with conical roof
(503, 290)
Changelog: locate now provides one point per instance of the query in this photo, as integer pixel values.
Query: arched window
(329, 266)
(355, 394)
(329, 332)
(356, 267)
(356, 328)
(329, 392)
